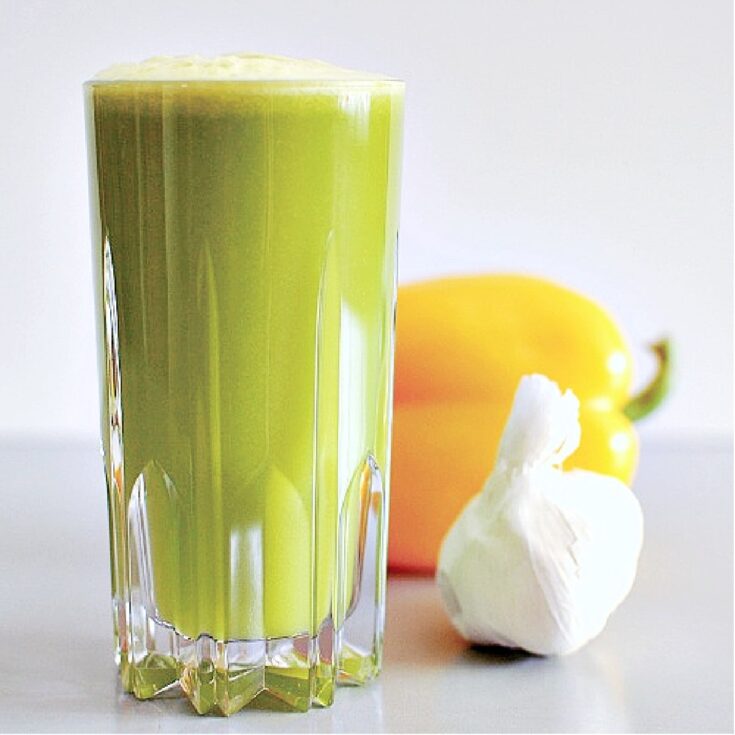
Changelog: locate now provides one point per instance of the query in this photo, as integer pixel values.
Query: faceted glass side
(246, 335)
(362, 561)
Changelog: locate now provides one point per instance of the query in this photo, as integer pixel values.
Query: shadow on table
(484, 655)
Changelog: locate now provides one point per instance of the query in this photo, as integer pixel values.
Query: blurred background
(586, 141)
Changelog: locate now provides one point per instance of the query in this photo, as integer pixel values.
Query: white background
(587, 141)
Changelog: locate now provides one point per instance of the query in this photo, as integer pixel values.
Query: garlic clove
(540, 558)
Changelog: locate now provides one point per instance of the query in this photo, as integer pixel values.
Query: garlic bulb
(540, 557)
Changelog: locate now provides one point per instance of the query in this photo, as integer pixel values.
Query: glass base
(285, 673)
(223, 677)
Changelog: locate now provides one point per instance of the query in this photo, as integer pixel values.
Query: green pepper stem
(651, 397)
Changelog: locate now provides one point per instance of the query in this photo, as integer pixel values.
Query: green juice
(244, 239)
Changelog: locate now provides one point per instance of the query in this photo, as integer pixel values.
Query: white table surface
(664, 663)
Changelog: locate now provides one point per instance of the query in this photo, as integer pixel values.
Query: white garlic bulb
(540, 557)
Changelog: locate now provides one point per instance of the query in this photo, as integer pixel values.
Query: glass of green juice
(244, 227)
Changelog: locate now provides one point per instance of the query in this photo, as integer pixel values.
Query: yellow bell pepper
(462, 345)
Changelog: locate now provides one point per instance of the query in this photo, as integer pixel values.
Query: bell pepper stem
(651, 397)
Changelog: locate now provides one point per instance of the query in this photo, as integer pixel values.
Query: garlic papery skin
(540, 558)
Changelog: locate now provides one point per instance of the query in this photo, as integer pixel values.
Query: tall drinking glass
(244, 237)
